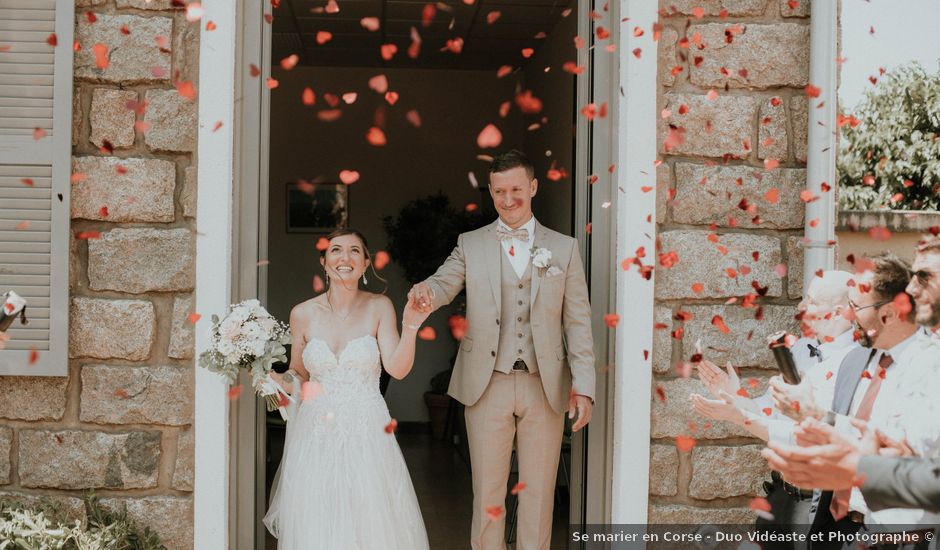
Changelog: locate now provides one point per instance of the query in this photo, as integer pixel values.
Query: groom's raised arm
(449, 279)
(576, 320)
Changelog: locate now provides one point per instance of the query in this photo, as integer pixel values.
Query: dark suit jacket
(900, 482)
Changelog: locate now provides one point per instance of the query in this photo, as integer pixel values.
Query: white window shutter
(36, 98)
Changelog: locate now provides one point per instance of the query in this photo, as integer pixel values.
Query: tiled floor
(441, 479)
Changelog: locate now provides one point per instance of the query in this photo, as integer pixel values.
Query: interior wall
(554, 139)
(454, 106)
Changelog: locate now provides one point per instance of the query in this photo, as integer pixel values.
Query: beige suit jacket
(560, 315)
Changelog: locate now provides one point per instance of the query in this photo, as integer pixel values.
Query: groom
(527, 357)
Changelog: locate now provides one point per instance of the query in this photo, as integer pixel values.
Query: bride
(343, 483)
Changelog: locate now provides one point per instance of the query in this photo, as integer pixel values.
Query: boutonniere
(541, 257)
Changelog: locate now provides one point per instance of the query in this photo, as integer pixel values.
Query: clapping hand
(722, 408)
(717, 380)
(872, 441)
(724, 385)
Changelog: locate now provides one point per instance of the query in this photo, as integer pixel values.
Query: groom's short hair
(513, 158)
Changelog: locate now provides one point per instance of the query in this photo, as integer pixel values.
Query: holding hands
(414, 314)
(422, 296)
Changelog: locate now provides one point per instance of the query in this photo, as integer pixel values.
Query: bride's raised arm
(398, 354)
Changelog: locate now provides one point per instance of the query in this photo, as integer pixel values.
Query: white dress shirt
(843, 422)
(822, 378)
(518, 251)
(908, 406)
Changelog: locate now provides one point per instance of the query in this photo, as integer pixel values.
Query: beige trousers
(513, 406)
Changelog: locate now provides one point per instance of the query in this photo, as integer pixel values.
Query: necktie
(839, 507)
(505, 234)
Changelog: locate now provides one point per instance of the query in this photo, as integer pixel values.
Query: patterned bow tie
(814, 351)
(505, 234)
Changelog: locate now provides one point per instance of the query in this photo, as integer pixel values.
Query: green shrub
(44, 527)
(891, 157)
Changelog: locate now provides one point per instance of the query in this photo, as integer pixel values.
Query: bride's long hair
(368, 255)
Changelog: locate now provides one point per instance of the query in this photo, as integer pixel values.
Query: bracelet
(412, 327)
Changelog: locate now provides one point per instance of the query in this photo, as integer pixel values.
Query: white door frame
(625, 443)
(635, 141)
(214, 216)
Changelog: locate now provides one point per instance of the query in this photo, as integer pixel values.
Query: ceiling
(485, 45)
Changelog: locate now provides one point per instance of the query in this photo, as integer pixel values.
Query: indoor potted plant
(419, 240)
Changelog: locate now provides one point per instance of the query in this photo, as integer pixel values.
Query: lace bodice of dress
(353, 373)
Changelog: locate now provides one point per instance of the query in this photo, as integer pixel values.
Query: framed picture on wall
(316, 208)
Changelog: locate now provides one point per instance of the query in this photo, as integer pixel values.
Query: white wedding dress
(343, 483)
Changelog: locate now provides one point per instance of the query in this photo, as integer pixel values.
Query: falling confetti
(101, 56)
(684, 443)
(381, 260)
(489, 137)
(290, 62)
(348, 177)
(375, 136)
(494, 512)
(310, 390)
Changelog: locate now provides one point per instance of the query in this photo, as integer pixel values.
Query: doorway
(430, 112)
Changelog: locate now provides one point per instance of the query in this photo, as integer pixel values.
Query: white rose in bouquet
(252, 330)
(230, 328)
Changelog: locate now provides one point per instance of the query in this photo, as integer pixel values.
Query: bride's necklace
(334, 312)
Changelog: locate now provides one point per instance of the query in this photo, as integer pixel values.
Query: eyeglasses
(857, 307)
(923, 276)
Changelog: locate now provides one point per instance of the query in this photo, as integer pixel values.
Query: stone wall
(732, 137)
(121, 422)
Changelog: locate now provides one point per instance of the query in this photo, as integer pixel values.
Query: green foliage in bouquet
(891, 159)
(425, 232)
(44, 526)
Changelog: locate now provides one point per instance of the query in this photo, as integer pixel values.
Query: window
(35, 156)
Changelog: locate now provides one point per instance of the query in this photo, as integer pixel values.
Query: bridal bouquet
(248, 338)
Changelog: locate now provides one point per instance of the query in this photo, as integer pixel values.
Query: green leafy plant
(44, 526)
(425, 232)
(890, 151)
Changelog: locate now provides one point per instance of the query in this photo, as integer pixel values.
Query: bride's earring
(364, 281)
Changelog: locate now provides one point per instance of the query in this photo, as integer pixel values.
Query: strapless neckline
(338, 357)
